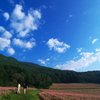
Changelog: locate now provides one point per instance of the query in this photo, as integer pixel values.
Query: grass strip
(30, 95)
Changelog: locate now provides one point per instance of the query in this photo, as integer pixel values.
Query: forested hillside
(13, 71)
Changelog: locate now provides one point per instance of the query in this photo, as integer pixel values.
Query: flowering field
(72, 91)
(6, 90)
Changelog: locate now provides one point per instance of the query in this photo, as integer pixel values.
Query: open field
(72, 91)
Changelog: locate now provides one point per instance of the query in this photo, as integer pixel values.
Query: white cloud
(23, 33)
(86, 60)
(94, 41)
(21, 23)
(37, 14)
(24, 44)
(6, 15)
(11, 51)
(7, 34)
(79, 49)
(47, 59)
(2, 29)
(43, 61)
(86, 54)
(98, 49)
(4, 43)
(57, 46)
(98, 56)
(24, 23)
(17, 13)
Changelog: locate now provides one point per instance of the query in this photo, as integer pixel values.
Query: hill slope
(13, 71)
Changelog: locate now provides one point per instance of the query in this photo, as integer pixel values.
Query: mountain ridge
(14, 71)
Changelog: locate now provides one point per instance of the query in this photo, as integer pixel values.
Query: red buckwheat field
(71, 91)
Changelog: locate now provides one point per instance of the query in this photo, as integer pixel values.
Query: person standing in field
(18, 88)
(24, 88)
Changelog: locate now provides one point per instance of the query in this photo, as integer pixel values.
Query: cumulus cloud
(24, 23)
(95, 40)
(86, 60)
(23, 44)
(6, 15)
(2, 29)
(4, 43)
(21, 24)
(17, 13)
(7, 34)
(57, 46)
(11, 51)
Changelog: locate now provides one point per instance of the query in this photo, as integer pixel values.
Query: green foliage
(17, 78)
(13, 71)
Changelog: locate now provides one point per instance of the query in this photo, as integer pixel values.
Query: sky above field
(61, 34)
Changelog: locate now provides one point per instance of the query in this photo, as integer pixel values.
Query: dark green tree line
(13, 71)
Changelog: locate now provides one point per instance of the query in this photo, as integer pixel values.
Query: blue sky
(61, 34)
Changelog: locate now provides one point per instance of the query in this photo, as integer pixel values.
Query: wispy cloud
(44, 7)
(57, 46)
(79, 49)
(11, 1)
(98, 49)
(86, 60)
(95, 40)
(43, 61)
(70, 15)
